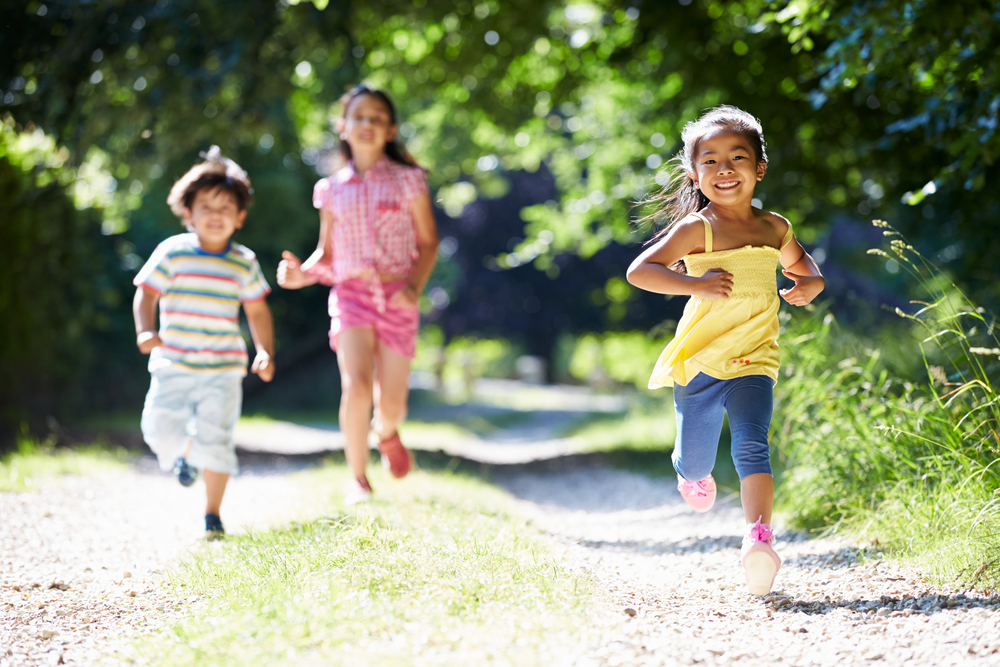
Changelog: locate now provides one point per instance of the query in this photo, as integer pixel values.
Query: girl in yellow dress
(723, 252)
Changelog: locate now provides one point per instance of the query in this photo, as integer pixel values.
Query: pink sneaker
(760, 562)
(395, 456)
(700, 495)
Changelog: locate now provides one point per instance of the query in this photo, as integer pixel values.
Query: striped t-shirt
(200, 297)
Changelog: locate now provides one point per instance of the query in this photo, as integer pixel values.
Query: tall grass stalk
(895, 438)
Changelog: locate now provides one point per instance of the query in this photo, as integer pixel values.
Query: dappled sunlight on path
(503, 422)
(674, 581)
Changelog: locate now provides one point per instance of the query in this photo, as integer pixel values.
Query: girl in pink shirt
(377, 247)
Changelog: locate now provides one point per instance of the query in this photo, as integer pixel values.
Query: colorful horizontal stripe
(201, 294)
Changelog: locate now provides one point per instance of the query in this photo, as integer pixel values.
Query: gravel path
(676, 582)
(82, 561)
(82, 571)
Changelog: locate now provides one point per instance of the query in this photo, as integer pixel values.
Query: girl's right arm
(293, 274)
(650, 270)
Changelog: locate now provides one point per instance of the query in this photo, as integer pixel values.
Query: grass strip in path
(23, 469)
(437, 571)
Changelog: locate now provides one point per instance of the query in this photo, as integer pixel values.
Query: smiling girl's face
(726, 169)
(367, 124)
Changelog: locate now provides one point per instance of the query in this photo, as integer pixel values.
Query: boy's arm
(144, 310)
(801, 268)
(262, 331)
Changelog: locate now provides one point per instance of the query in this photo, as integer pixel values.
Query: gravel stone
(681, 572)
(83, 559)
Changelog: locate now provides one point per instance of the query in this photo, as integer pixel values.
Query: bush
(62, 290)
(906, 461)
(623, 357)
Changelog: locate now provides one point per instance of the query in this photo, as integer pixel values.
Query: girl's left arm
(427, 247)
(801, 268)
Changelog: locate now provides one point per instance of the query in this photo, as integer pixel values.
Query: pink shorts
(352, 306)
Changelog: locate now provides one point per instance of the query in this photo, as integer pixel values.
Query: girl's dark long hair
(395, 150)
(679, 196)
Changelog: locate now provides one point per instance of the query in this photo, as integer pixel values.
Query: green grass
(33, 464)
(428, 435)
(647, 426)
(891, 437)
(439, 570)
(642, 440)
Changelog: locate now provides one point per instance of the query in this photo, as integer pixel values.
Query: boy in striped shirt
(197, 356)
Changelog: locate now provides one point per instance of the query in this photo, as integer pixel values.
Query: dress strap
(788, 237)
(708, 231)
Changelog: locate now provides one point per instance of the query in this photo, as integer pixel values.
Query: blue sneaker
(186, 474)
(213, 527)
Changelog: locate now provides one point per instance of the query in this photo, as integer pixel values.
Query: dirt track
(81, 570)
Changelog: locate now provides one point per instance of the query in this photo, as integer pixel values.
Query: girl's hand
(408, 297)
(715, 284)
(290, 275)
(148, 340)
(806, 288)
(262, 366)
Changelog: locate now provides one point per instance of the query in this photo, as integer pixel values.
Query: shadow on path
(925, 605)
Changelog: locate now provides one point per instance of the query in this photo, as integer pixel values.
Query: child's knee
(692, 468)
(751, 459)
(392, 410)
(164, 430)
(217, 457)
(357, 384)
(167, 444)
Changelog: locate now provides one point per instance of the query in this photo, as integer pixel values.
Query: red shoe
(395, 456)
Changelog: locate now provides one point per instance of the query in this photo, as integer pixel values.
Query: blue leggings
(700, 406)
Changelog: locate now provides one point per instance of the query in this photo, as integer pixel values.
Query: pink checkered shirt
(373, 230)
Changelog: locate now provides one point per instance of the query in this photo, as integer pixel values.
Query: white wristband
(144, 336)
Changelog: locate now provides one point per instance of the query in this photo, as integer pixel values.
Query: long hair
(679, 196)
(395, 150)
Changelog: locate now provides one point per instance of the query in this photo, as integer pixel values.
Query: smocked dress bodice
(727, 338)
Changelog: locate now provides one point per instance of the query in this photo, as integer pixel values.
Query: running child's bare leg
(215, 488)
(757, 494)
(392, 391)
(355, 356)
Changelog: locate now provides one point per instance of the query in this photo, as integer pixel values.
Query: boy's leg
(165, 416)
(699, 413)
(215, 488)
(355, 357)
(220, 399)
(749, 402)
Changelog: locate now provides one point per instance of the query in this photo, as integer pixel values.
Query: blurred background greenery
(542, 123)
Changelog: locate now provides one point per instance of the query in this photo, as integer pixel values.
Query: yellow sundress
(727, 338)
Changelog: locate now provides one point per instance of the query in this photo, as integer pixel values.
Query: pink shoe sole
(760, 565)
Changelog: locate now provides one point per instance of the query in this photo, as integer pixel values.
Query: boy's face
(214, 216)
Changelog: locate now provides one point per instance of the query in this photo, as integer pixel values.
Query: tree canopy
(882, 109)
(862, 102)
